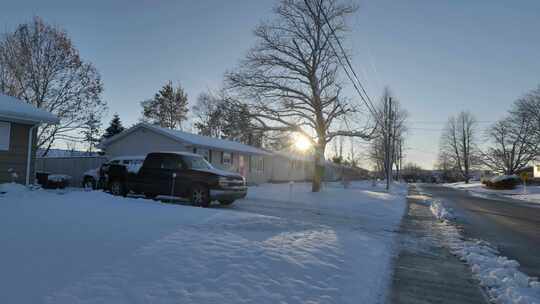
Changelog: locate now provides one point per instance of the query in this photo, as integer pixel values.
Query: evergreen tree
(219, 115)
(90, 131)
(114, 128)
(168, 108)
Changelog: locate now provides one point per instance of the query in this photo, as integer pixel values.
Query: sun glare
(301, 142)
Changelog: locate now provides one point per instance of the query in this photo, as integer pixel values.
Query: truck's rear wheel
(89, 183)
(226, 202)
(151, 196)
(200, 196)
(117, 188)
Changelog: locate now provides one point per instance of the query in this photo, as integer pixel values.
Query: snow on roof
(212, 142)
(292, 155)
(178, 153)
(13, 109)
(193, 139)
(129, 157)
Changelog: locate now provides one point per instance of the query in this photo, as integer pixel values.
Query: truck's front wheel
(200, 196)
(117, 188)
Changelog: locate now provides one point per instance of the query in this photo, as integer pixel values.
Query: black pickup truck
(178, 174)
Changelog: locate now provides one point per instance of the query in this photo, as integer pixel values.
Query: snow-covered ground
(529, 193)
(282, 244)
(498, 275)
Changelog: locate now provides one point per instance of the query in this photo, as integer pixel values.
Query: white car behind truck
(93, 178)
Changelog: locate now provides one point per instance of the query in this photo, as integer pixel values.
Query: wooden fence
(72, 166)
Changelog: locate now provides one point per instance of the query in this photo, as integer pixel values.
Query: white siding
(142, 142)
(536, 170)
(5, 134)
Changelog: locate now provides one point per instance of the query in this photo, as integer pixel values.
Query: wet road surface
(512, 226)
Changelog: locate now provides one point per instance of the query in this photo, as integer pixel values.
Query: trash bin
(42, 178)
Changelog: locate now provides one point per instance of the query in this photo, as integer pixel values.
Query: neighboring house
(18, 124)
(144, 138)
(536, 170)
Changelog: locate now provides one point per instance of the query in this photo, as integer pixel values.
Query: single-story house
(144, 138)
(257, 165)
(18, 128)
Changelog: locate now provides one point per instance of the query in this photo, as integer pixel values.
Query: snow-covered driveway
(276, 246)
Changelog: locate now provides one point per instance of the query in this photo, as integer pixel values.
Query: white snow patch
(529, 193)
(12, 188)
(498, 275)
(58, 178)
(441, 212)
(274, 247)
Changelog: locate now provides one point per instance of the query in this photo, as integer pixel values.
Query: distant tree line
(510, 144)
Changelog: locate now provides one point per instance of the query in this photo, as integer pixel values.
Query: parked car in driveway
(96, 179)
(180, 174)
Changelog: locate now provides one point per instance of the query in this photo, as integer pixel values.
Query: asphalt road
(512, 226)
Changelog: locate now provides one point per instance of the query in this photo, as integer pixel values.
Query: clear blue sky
(439, 57)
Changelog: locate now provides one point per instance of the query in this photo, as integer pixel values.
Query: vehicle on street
(177, 174)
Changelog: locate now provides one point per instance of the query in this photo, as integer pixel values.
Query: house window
(226, 158)
(5, 133)
(256, 163)
(260, 163)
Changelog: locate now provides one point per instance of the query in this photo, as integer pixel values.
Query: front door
(242, 165)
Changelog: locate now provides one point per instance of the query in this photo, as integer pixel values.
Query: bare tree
(387, 150)
(291, 75)
(458, 142)
(39, 64)
(529, 106)
(515, 140)
(446, 166)
(208, 112)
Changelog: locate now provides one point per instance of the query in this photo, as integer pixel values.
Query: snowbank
(280, 245)
(12, 188)
(440, 212)
(529, 193)
(498, 275)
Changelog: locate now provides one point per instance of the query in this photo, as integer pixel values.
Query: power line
(444, 122)
(368, 103)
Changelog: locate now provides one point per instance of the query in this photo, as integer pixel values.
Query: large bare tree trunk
(318, 172)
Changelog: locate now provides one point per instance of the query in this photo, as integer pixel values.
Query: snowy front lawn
(529, 194)
(281, 244)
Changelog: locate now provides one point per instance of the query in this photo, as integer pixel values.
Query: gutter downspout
(29, 153)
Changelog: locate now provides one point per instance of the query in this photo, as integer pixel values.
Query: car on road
(96, 179)
(177, 174)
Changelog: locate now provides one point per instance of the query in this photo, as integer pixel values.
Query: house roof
(190, 138)
(293, 155)
(16, 110)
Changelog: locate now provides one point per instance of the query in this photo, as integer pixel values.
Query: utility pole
(389, 140)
